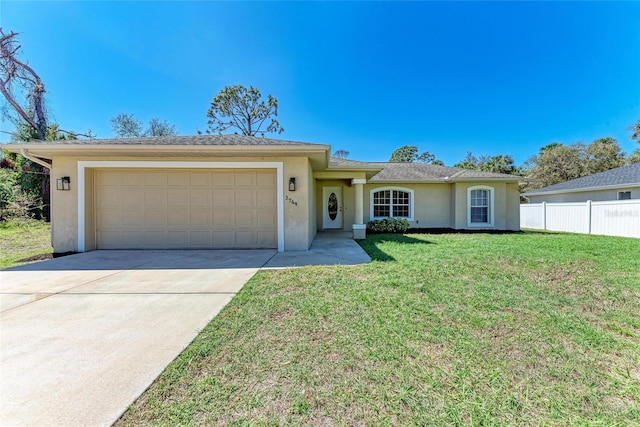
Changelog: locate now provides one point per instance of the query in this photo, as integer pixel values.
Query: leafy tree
(409, 154)
(244, 109)
(501, 164)
(635, 128)
(634, 157)
(127, 126)
(497, 164)
(341, 154)
(557, 163)
(603, 154)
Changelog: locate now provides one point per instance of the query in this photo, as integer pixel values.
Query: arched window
(480, 206)
(394, 202)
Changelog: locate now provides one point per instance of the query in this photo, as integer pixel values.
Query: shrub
(388, 225)
(15, 203)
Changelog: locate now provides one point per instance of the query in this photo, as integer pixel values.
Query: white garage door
(171, 209)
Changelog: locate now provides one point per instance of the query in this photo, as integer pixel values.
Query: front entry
(332, 208)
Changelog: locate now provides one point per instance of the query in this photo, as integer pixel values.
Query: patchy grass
(519, 329)
(24, 242)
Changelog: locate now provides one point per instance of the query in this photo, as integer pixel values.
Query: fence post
(588, 216)
(544, 215)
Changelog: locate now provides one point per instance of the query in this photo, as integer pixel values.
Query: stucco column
(359, 228)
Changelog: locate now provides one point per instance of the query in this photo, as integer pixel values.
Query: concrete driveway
(81, 337)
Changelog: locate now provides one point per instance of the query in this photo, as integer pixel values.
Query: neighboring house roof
(625, 176)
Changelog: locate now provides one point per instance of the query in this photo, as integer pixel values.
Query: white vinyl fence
(613, 218)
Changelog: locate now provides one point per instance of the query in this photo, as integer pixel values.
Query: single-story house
(621, 183)
(233, 191)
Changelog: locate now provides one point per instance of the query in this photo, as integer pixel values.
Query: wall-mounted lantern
(63, 183)
(292, 184)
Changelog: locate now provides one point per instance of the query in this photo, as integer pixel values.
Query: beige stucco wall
(432, 207)
(506, 206)
(513, 207)
(583, 196)
(311, 197)
(64, 206)
(64, 211)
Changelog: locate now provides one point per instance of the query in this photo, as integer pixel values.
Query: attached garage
(185, 208)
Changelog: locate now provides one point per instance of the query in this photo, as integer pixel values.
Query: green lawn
(515, 329)
(21, 242)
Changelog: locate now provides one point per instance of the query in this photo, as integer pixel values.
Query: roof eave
(50, 150)
(581, 190)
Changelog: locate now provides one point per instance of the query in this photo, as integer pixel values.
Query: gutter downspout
(26, 155)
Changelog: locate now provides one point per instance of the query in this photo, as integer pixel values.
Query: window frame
(491, 207)
(392, 188)
(620, 193)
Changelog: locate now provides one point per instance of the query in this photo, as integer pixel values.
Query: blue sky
(367, 77)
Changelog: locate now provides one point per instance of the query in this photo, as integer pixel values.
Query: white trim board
(138, 164)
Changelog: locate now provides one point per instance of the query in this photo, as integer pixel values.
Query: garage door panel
(185, 209)
(155, 197)
(266, 219)
(223, 239)
(267, 239)
(222, 179)
(155, 219)
(177, 178)
(265, 179)
(156, 179)
(265, 198)
(245, 219)
(108, 219)
(200, 179)
(155, 239)
(177, 198)
(108, 178)
(201, 240)
(246, 239)
(223, 219)
(178, 219)
(132, 198)
(200, 198)
(178, 239)
(244, 198)
(133, 219)
(131, 178)
(110, 239)
(222, 198)
(110, 198)
(200, 219)
(245, 178)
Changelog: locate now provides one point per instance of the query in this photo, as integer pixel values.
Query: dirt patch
(39, 257)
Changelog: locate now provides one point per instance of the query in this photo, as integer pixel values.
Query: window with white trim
(480, 205)
(624, 195)
(392, 202)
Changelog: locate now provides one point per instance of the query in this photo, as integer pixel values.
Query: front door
(332, 207)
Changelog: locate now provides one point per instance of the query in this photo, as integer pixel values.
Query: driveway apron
(81, 337)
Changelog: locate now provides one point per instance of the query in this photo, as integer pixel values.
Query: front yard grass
(20, 241)
(515, 329)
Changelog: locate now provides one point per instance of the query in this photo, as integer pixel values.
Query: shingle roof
(420, 172)
(622, 176)
(180, 140)
(336, 162)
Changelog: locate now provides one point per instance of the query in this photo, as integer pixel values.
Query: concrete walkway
(81, 337)
(328, 248)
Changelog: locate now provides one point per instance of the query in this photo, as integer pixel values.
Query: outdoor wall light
(63, 183)
(292, 184)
